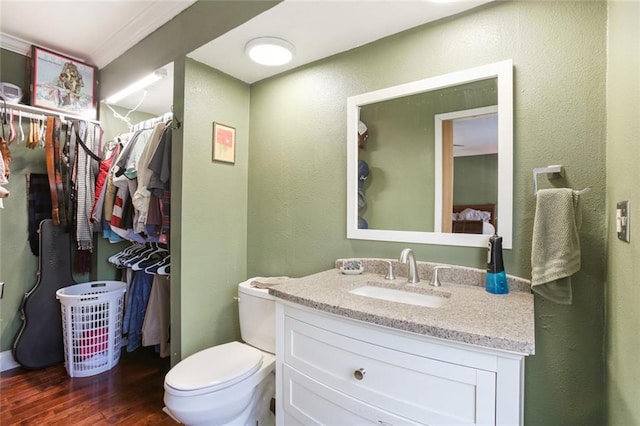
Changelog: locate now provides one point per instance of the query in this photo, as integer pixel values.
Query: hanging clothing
(6, 158)
(101, 185)
(141, 196)
(157, 319)
(86, 170)
(136, 308)
(54, 171)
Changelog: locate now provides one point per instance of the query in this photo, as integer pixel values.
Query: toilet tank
(257, 312)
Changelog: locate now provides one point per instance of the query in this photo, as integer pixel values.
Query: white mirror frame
(503, 71)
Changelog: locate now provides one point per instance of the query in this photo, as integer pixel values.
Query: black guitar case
(39, 342)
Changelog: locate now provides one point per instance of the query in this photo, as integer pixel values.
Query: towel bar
(556, 171)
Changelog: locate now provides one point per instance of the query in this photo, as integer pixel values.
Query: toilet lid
(214, 368)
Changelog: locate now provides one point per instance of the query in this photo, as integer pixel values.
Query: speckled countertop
(470, 315)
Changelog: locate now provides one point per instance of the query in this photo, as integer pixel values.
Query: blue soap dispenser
(496, 280)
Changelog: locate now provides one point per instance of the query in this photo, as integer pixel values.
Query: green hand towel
(555, 252)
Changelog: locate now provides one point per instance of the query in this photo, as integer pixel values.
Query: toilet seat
(213, 369)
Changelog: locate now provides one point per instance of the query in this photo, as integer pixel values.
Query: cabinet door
(419, 388)
(309, 402)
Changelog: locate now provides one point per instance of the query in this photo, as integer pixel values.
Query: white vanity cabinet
(336, 371)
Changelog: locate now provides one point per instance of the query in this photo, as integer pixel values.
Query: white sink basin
(400, 296)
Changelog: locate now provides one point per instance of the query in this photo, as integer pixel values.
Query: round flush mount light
(270, 51)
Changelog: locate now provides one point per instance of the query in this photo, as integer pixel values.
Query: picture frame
(61, 83)
(224, 143)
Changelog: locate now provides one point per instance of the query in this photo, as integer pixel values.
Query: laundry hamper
(91, 326)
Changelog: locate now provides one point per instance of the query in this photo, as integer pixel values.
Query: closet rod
(39, 112)
(147, 124)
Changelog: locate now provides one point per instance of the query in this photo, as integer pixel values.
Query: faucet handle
(390, 275)
(435, 279)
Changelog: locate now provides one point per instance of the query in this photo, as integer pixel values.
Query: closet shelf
(35, 112)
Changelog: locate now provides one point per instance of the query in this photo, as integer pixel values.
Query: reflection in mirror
(466, 170)
(419, 178)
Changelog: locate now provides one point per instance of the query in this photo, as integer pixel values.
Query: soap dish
(352, 267)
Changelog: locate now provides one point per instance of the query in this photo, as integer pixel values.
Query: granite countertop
(471, 315)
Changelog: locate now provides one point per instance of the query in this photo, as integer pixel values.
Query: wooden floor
(129, 394)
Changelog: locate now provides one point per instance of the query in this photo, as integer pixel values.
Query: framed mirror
(418, 178)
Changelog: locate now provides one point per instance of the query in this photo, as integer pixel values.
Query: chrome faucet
(407, 256)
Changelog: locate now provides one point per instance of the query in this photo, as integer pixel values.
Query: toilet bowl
(220, 385)
(232, 383)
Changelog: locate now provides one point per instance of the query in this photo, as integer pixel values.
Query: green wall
(401, 156)
(297, 191)
(623, 157)
(18, 266)
(212, 232)
(13, 68)
(475, 179)
(295, 220)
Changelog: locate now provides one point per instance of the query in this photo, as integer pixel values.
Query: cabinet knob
(359, 374)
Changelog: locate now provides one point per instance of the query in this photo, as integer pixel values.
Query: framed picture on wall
(62, 84)
(224, 143)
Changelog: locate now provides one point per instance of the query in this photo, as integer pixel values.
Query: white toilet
(233, 383)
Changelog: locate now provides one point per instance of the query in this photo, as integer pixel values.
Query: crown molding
(154, 16)
(140, 26)
(14, 44)
(23, 47)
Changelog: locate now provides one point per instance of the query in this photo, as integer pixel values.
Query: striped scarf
(86, 169)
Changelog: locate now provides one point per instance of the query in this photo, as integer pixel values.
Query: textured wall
(623, 157)
(297, 173)
(400, 153)
(212, 231)
(475, 179)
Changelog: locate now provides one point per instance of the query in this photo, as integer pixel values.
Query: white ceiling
(476, 135)
(103, 30)
(92, 31)
(320, 28)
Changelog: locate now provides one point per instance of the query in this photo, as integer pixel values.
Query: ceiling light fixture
(141, 84)
(270, 51)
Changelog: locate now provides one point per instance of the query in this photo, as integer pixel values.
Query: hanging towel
(555, 252)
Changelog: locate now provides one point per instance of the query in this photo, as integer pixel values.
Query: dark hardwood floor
(128, 394)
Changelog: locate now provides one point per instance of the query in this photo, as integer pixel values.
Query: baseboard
(7, 362)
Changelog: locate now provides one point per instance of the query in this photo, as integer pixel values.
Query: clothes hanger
(150, 260)
(117, 258)
(150, 251)
(136, 256)
(12, 129)
(153, 269)
(43, 128)
(20, 126)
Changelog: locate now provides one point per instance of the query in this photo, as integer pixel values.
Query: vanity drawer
(418, 388)
(308, 402)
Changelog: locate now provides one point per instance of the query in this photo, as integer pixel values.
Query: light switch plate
(622, 220)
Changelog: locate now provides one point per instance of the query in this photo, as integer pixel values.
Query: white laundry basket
(92, 326)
